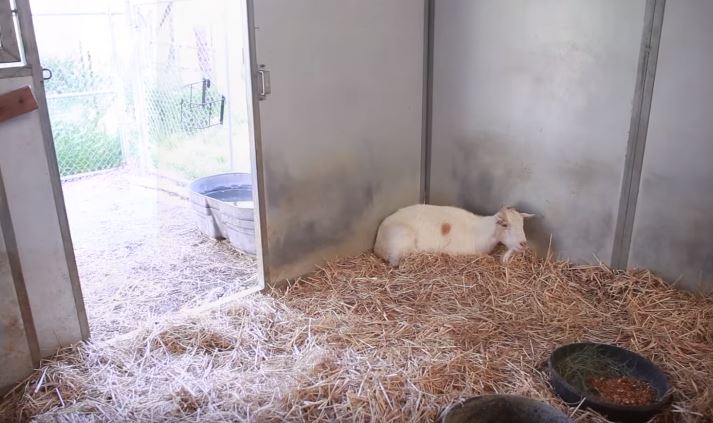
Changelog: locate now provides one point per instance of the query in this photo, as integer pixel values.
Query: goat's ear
(502, 216)
(526, 215)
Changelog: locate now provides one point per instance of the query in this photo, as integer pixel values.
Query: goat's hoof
(507, 256)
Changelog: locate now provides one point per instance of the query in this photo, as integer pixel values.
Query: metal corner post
(636, 145)
(429, 14)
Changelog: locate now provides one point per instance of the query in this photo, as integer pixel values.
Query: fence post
(228, 88)
(118, 85)
(139, 95)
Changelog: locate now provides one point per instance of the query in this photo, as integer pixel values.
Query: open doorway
(147, 100)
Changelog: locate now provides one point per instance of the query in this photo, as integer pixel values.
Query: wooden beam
(16, 103)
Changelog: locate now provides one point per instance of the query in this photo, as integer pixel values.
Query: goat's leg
(507, 256)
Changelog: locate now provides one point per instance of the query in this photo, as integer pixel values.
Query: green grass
(83, 144)
(193, 156)
(179, 147)
(84, 147)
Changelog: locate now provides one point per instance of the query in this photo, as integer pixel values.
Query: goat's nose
(523, 244)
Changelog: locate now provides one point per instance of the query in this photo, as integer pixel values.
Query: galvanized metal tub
(223, 205)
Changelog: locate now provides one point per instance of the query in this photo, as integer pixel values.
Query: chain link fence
(141, 84)
(83, 94)
(182, 94)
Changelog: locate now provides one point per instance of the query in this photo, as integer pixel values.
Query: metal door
(41, 303)
(338, 132)
(18, 344)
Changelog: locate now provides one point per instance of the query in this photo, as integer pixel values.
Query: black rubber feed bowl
(502, 409)
(638, 367)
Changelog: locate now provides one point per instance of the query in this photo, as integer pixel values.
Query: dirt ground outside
(140, 255)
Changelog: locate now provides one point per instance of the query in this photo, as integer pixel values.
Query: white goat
(450, 230)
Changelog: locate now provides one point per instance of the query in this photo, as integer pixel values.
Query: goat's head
(510, 228)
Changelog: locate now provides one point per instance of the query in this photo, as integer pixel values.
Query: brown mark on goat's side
(445, 228)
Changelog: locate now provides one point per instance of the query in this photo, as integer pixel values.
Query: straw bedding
(358, 341)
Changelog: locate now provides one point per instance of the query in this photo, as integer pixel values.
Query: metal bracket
(197, 111)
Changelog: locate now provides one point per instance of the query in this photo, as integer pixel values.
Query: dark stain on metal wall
(575, 213)
(314, 211)
(341, 133)
(332, 210)
(14, 347)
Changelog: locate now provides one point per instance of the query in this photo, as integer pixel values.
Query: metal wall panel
(674, 220)
(14, 347)
(532, 104)
(33, 210)
(339, 140)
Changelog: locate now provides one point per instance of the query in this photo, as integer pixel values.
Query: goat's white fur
(451, 230)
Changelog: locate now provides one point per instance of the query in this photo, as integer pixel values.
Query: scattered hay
(207, 341)
(359, 341)
(140, 254)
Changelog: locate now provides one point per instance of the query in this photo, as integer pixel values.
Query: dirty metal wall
(532, 104)
(341, 132)
(17, 360)
(673, 228)
(33, 210)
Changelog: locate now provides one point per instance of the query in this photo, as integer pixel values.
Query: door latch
(263, 81)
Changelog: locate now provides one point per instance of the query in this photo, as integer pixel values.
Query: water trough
(223, 205)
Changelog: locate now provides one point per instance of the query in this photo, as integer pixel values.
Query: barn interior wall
(531, 108)
(673, 225)
(534, 105)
